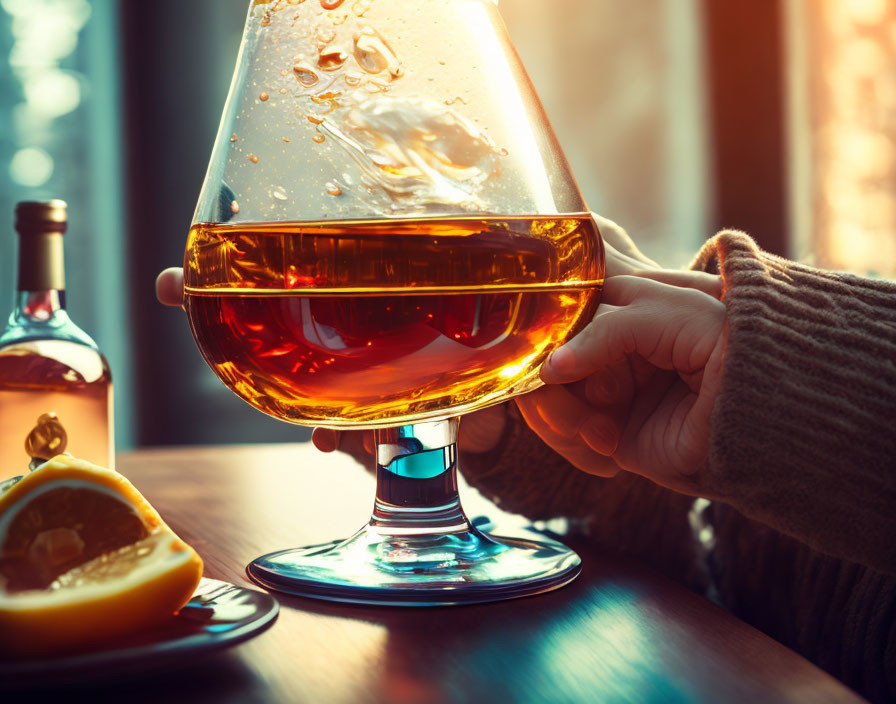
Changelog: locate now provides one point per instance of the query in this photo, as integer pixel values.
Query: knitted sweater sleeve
(804, 429)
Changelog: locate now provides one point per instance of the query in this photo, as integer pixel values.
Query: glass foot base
(465, 567)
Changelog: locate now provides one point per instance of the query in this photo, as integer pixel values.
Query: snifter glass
(389, 237)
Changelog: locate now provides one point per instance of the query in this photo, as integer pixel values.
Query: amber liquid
(54, 376)
(377, 323)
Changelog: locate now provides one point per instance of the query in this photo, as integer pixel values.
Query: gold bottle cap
(42, 216)
(41, 226)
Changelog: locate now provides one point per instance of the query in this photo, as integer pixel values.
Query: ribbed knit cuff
(804, 429)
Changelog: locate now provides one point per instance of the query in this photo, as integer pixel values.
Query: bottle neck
(41, 281)
(39, 306)
(41, 261)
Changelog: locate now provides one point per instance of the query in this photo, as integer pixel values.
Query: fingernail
(556, 361)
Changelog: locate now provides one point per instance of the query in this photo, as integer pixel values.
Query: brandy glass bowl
(389, 237)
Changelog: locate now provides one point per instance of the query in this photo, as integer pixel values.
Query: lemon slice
(84, 558)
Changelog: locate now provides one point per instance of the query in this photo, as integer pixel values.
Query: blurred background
(679, 117)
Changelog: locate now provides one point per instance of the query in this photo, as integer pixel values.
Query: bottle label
(46, 440)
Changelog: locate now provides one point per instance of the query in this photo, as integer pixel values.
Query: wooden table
(620, 633)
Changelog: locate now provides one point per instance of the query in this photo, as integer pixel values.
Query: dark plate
(219, 615)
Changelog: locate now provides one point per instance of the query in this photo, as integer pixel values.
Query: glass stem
(416, 481)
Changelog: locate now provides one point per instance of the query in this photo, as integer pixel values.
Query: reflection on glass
(388, 237)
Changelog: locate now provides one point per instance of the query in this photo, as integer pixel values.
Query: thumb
(170, 287)
(670, 327)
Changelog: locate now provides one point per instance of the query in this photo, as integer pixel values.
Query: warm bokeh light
(31, 167)
(849, 116)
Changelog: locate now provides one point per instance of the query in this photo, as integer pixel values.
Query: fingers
(613, 386)
(170, 287)
(570, 426)
(565, 413)
(624, 258)
(592, 350)
(325, 439)
(617, 238)
(358, 444)
(574, 450)
(670, 327)
(700, 280)
(622, 291)
(621, 264)
(569, 417)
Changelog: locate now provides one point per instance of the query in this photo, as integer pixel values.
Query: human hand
(625, 259)
(481, 431)
(637, 385)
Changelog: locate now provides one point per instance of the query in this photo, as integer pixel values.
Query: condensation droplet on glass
(283, 91)
(286, 139)
(318, 138)
(456, 99)
(235, 207)
(333, 189)
(330, 4)
(504, 152)
(279, 193)
(332, 58)
(233, 137)
(254, 159)
(322, 98)
(305, 75)
(325, 34)
(264, 97)
(315, 120)
(374, 54)
(353, 79)
(329, 100)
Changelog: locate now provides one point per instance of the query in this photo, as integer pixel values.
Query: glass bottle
(55, 385)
